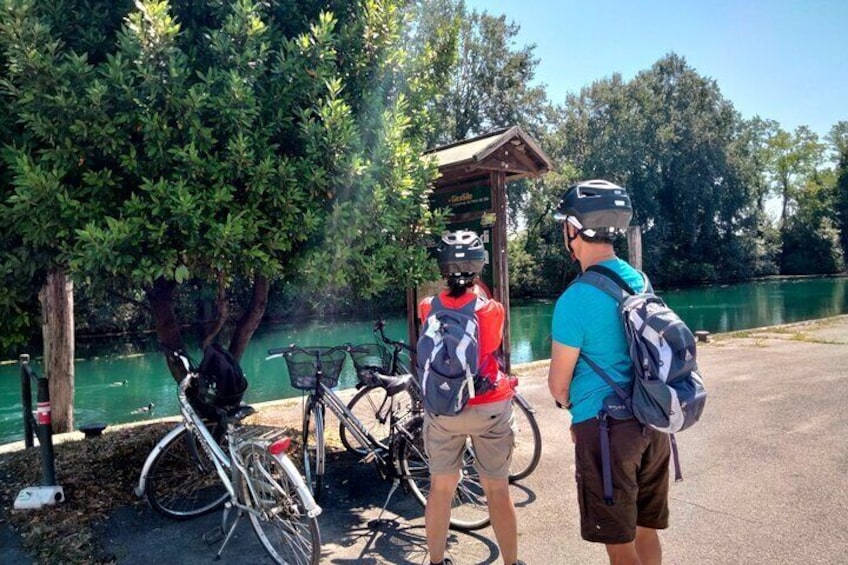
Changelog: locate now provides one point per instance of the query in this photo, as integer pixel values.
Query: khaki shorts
(639, 463)
(490, 428)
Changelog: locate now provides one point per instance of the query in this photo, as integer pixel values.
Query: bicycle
(369, 403)
(199, 467)
(399, 455)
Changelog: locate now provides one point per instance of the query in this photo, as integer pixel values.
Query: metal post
(45, 433)
(26, 400)
(49, 493)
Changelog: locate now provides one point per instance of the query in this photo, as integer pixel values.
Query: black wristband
(561, 407)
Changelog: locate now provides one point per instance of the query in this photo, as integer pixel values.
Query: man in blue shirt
(586, 323)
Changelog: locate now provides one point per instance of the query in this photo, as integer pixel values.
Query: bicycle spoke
(183, 482)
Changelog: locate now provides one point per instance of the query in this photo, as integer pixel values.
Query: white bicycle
(201, 466)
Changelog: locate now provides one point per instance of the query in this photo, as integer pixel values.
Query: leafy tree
(838, 138)
(491, 83)
(670, 137)
(229, 144)
(793, 158)
(48, 168)
(810, 238)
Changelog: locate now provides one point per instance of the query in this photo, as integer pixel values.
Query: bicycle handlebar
(315, 351)
(378, 327)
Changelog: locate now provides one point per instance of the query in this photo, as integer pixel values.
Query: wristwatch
(561, 407)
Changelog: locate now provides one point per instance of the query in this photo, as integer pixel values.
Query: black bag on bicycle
(220, 384)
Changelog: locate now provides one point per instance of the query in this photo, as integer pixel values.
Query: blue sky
(784, 60)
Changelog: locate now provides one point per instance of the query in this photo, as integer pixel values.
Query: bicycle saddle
(393, 383)
(238, 413)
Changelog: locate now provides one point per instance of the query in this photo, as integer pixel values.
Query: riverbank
(764, 474)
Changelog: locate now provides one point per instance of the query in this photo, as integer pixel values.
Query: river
(111, 386)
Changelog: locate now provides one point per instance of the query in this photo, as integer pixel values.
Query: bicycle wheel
(313, 448)
(469, 510)
(372, 408)
(280, 521)
(183, 482)
(527, 449)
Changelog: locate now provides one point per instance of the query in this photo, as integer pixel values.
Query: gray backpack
(668, 392)
(448, 358)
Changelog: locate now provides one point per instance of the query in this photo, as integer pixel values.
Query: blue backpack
(668, 392)
(448, 358)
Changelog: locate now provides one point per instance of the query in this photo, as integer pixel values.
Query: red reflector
(279, 446)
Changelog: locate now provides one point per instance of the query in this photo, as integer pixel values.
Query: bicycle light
(280, 446)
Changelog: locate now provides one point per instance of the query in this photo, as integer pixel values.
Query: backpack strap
(604, 277)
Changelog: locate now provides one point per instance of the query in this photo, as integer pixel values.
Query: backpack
(448, 358)
(221, 382)
(668, 392)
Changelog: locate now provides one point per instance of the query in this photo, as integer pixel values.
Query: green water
(101, 394)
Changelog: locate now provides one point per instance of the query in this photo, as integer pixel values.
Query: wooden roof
(509, 150)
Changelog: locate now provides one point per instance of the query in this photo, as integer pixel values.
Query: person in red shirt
(487, 418)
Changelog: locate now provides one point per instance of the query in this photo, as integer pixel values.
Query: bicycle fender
(157, 449)
(312, 508)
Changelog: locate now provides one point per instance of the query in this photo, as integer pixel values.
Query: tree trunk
(222, 310)
(162, 298)
(57, 307)
(252, 316)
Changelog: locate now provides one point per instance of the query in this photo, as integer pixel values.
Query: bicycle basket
(371, 358)
(302, 367)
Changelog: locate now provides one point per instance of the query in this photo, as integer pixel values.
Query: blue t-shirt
(587, 318)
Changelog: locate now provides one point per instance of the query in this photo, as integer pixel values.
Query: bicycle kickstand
(231, 530)
(379, 519)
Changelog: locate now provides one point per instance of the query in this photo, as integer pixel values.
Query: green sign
(464, 200)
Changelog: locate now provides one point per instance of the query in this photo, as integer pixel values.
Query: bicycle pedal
(214, 535)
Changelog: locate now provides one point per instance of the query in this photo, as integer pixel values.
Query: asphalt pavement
(764, 477)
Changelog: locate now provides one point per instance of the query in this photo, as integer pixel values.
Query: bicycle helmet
(461, 255)
(595, 208)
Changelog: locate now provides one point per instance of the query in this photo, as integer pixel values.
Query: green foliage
(839, 142)
(671, 138)
(810, 238)
(490, 86)
(217, 141)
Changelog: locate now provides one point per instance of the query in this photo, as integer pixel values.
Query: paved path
(765, 477)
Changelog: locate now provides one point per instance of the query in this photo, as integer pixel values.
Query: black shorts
(639, 461)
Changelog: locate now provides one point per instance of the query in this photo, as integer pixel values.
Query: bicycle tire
(365, 406)
(527, 450)
(313, 448)
(183, 482)
(280, 522)
(469, 510)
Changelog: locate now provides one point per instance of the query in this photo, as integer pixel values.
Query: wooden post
(634, 247)
(57, 307)
(497, 181)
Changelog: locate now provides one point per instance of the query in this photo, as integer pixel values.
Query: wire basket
(371, 358)
(302, 367)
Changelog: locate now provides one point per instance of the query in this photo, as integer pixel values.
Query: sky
(782, 60)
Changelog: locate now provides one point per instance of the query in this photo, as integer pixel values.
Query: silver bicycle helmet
(595, 208)
(461, 255)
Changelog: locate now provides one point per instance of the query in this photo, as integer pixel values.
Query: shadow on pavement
(352, 529)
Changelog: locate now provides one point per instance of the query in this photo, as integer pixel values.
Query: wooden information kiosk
(472, 184)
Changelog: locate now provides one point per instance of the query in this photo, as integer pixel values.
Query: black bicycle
(370, 404)
(398, 453)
